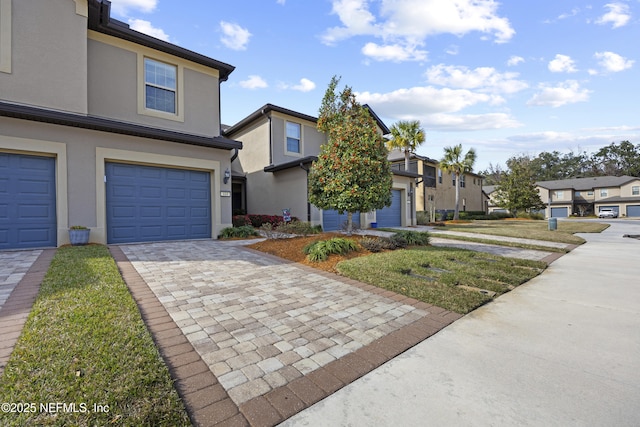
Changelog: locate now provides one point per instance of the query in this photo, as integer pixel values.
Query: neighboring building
(490, 204)
(270, 172)
(586, 196)
(436, 188)
(105, 127)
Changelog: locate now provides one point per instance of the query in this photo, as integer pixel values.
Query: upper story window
(294, 138)
(439, 176)
(589, 193)
(604, 192)
(429, 176)
(160, 81)
(635, 190)
(462, 181)
(577, 194)
(453, 179)
(5, 36)
(559, 195)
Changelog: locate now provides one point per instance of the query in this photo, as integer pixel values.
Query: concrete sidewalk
(560, 350)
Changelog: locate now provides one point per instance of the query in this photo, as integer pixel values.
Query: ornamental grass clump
(321, 249)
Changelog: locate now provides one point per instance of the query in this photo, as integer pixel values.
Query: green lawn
(84, 343)
(436, 274)
(537, 230)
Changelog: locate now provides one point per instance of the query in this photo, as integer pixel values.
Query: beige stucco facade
(77, 95)
(275, 178)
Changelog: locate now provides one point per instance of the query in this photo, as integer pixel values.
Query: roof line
(100, 20)
(107, 125)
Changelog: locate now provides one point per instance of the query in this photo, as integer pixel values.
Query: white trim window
(463, 184)
(559, 195)
(604, 192)
(293, 138)
(160, 86)
(635, 190)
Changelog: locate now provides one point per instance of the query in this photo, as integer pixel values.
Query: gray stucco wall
(48, 56)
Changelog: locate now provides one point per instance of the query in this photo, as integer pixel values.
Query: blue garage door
(27, 201)
(146, 204)
(333, 221)
(391, 216)
(559, 212)
(633, 210)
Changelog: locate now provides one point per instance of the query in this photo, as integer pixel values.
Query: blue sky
(504, 77)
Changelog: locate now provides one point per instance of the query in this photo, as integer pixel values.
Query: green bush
(242, 232)
(414, 238)
(398, 241)
(321, 249)
(300, 228)
(422, 217)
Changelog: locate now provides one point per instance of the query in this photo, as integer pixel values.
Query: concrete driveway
(561, 350)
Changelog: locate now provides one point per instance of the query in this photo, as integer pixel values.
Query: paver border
(208, 403)
(15, 310)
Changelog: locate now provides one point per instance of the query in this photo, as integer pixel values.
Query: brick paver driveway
(260, 322)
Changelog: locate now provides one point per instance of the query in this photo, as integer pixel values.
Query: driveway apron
(277, 336)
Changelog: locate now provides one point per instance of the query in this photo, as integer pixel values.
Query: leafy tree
(492, 175)
(517, 189)
(407, 136)
(454, 162)
(352, 172)
(617, 160)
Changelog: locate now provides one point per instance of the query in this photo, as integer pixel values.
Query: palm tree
(454, 162)
(406, 135)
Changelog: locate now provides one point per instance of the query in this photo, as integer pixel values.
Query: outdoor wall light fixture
(227, 175)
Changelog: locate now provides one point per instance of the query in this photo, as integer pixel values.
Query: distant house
(584, 196)
(270, 172)
(491, 205)
(105, 127)
(436, 188)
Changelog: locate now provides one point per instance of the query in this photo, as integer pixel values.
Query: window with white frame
(439, 176)
(160, 81)
(294, 138)
(559, 195)
(635, 190)
(453, 179)
(5, 36)
(462, 182)
(604, 192)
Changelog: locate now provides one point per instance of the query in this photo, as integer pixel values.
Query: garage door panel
(559, 212)
(28, 211)
(633, 210)
(161, 207)
(332, 220)
(391, 216)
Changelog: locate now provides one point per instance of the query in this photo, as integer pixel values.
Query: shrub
(414, 238)
(258, 220)
(376, 244)
(422, 217)
(321, 249)
(398, 241)
(299, 227)
(242, 232)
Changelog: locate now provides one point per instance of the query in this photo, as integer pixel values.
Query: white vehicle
(607, 213)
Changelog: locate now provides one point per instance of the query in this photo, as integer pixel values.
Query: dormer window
(160, 81)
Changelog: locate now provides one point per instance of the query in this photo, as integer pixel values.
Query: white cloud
(562, 64)
(122, 7)
(567, 92)
(618, 15)
(612, 62)
(148, 29)
(407, 23)
(485, 79)
(305, 85)
(470, 122)
(393, 52)
(254, 82)
(515, 60)
(234, 36)
(282, 2)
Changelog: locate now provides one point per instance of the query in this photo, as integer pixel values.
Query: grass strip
(85, 344)
(500, 243)
(437, 274)
(536, 230)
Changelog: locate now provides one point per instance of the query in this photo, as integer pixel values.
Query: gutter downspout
(306, 169)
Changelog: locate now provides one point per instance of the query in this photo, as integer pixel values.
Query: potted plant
(79, 235)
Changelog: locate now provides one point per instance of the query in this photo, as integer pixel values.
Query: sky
(505, 77)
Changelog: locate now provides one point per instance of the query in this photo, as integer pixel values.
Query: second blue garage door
(148, 203)
(391, 216)
(559, 212)
(333, 221)
(633, 210)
